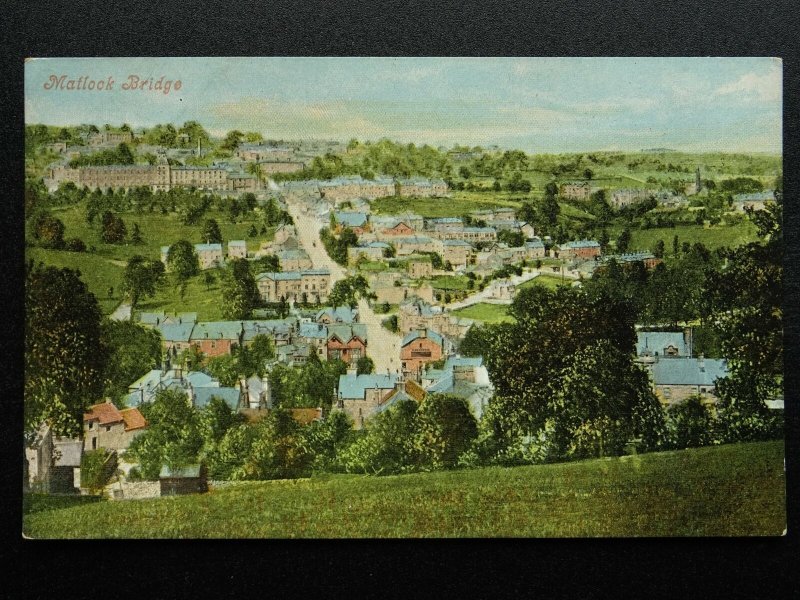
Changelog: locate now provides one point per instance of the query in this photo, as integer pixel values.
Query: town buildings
(106, 426)
(581, 249)
(420, 347)
(309, 285)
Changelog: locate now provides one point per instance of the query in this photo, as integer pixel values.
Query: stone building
(583, 249)
(106, 426)
(291, 286)
(359, 396)
(237, 249)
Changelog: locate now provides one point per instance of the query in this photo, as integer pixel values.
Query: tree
(588, 174)
(209, 279)
(49, 231)
(550, 208)
(192, 357)
(675, 246)
(279, 450)
(347, 291)
(132, 350)
(211, 233)
(690, 423)
(173, 436)
(232, 140)
(64, 353)
(113, 229)
(658, 249)
(623, 241)
(239, 292)
(365, 366)
(223, 368)
(141, 277)
(136, 235)
(182, 260)
(446, 429)
(327, 438)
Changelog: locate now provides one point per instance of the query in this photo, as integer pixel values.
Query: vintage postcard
(403, 298)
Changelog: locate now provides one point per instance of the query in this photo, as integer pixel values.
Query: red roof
(133, 419)
(105, 413)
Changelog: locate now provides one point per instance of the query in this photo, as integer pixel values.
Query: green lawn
(450, 282)
(733, 490)
(488, 313)
(713, 237)
(98, 272)
(459, 204)
(157, 230)
(548, 281)
(373, 266)
(206, 302)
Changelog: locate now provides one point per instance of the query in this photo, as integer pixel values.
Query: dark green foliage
(132, 350)
(211, 233)
(48, 231)
(365, 365)
(348, 291)
(141, 278)
(113, 229)
(173, 436)
(278, 451)
(182, 260)
(268, 263)
(336, 247)
(623, 241)
(64, 353)
(327, 439)
(121, 155)
(514, 239)
(446, 429)
(691, 424)
(239, 291)
(97, 466)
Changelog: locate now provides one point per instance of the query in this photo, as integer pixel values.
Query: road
(383, 346)
(122, 313)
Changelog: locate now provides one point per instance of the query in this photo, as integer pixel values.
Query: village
(398, 338)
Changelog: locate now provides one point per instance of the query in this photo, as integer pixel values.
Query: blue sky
(534, 104)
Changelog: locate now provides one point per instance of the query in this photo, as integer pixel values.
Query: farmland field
(730, 490)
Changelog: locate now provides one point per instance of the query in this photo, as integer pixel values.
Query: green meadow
(730, 490)
(486, 312)
(713, 237)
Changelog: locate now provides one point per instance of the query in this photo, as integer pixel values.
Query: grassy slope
(549, 281)
(713, 237)
(488, 313)
(728, 490)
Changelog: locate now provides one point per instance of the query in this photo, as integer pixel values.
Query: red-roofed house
(106, 426)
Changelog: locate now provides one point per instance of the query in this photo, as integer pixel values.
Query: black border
(657, 568)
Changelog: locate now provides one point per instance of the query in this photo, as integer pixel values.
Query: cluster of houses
(349, 188)
(210, 256)
(624, 197)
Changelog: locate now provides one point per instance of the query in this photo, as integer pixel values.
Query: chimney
(701, 363)
(352, 369)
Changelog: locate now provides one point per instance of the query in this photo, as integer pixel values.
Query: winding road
(383, 346)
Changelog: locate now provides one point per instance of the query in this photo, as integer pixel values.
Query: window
(91, 424)
(108, 428)
(94, 443)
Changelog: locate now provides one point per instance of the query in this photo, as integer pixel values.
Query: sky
(532, 104)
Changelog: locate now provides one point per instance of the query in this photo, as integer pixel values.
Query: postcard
(403, 298)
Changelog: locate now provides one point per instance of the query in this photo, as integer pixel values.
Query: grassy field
(206, 301)
(459, 204)
(734, 490)
(713, 237)
(450, 282)
(99, 273)
(548, 281)
(488, 313)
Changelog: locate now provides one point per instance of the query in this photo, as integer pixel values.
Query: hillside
(716, 491)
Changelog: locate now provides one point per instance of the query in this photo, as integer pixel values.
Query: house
(52, 463)
(420, 347)
(664, 344)
(106, 426)
(467, 378)
(237, 249)
(400, 229)
(417, 243)
(755, 201)
(458, 253)
(419, 266)
(422, 187)
(585, 249)
(198, 387)
(346, 342)
(675, 379)
(339, 314)
(179, 481)
(283, 233)
(356, 221)
(575, 190)
(360, 395)
(442, 224)
(39, 459)
(215, 338)
(316, 335)
(468, 234)
(294, 355)
(502, 289)
(279, 330)
(534, 248)
(294, 260)
(309, 285)
(395, 293)
(648, 259)
(256, 391)
(625, 197)
(209, 255)
(417, 314)
(373, 251)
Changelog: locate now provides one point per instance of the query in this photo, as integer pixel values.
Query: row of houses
(210, 256)
(348, 188)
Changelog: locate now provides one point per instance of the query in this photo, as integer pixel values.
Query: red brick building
(418, 348)
(346, 342)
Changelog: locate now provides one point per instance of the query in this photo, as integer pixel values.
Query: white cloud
(766, 87)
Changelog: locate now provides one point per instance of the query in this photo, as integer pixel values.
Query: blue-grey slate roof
(687, 371)
(176, 332)
(463, 361)
(654, 342)
(353, 386)
(203, 395)
(413, 335)
(187, 472)
(351, 219)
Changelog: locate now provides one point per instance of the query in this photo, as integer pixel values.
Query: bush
(97, 466)
(75, 245)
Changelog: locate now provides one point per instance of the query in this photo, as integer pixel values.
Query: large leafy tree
(446, 429)
(239, 291)
(348, 291)
(113, 228)
(173, 436)
(211, 233)
(182, 260)
(132, 351)
(279, 450)
(64, 352)
(141, 277)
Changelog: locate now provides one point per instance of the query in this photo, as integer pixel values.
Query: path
(383, 345)
(122, 313)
